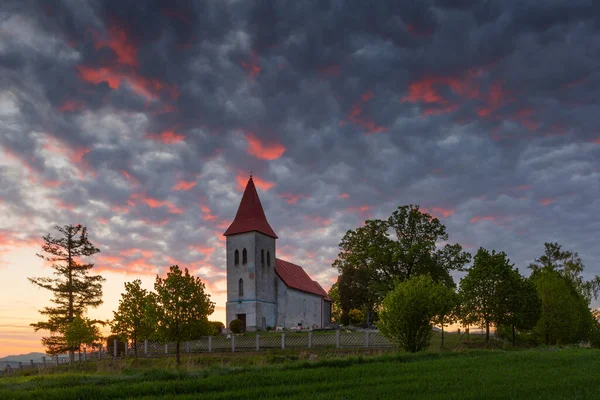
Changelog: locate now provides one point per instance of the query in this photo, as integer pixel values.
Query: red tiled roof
(250, 215)
(295, 277)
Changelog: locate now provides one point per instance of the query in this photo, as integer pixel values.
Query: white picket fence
(244, 343)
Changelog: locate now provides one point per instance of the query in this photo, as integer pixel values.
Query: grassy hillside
(476, 374)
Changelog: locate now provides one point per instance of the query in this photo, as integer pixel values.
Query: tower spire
(250, 215)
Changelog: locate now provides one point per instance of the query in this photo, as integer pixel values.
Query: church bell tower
(251, 279)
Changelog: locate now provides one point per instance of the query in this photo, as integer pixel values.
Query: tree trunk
(487, 331)
(134, 345)
(442, 335)
(177, 353)
(513, 332)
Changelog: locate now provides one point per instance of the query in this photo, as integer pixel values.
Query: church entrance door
(242, 317)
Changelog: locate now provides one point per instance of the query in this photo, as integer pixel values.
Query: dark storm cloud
(481, 112)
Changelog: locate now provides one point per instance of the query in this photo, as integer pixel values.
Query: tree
(131, 320)
(216, 327)
(416, 250)
(485, 290)
(79, 332)
(74, 290)
(372, 261)
(236, 325)
(448, 302)
(180, 307)
(570, 266)
(564, 317)
(365, 254)
(336, 306)
(523, 305)
(407, 313)
(558, 278)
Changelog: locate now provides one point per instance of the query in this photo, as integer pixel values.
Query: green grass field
(473, 374)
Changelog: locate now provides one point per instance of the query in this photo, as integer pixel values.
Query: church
(262, 290)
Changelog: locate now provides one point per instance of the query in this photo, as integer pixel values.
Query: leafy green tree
(180, 307)
(131, 320)
(374, 257)
(73, 289)
(79, 332)
(564, 317)
(485, 290)
(570, 266)
(336, 306)
(408, 311)
(366, 253)
(448, 301)
(523, 305)
(416, 249)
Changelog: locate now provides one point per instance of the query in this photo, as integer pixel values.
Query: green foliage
(215, 327)
(132, 319)
(79, 332)
(488, 290)
(336, 305)
(448, 313)
(356, 316)
(371, 262)
(570, 266)
(180, 307)
(73, 289)
(565, 296)
(565, 317)
(408, 311)
(595, 330)
(236, 326)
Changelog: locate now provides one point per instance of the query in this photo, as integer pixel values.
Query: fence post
(44, 362)
(257, 342)
(115, 347)
(337, 338)
(282, 340)
(309, 339)
(31, 362)
(20, 366)
(146, 347)
(367, 333)
(232, 343)
(57, 360)
(210, 344)
(187, 347)
(126, 347)
(166, 348)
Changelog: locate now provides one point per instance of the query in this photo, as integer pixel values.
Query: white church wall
(296, 307)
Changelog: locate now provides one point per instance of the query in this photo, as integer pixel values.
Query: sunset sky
(142, 120)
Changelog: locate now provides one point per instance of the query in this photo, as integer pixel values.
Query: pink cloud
(262, 150)
(184, 185)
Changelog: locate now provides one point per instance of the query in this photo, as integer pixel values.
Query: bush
(110, 345)
(215, 327)
(236, 326)
(408, 311)
(356, 316)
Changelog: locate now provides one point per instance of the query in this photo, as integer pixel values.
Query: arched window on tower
(269, 258)
(236, 257)
(241, 287)
(244, 256)
(262, 257)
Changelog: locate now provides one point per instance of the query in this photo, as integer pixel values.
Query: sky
(142, 120)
